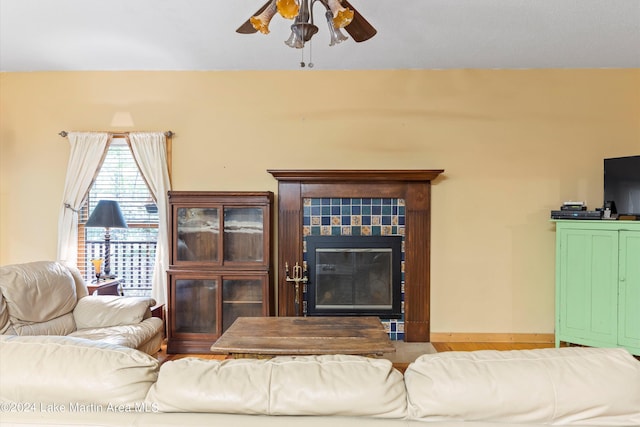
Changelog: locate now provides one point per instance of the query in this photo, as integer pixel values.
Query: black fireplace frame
(356, 242)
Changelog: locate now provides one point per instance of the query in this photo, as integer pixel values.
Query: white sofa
(49, 298)
(57, 380)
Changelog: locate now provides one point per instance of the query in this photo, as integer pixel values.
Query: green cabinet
(629, 303)
(598, 283)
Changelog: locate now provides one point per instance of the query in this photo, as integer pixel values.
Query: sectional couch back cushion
(307, 385)
(586, 386)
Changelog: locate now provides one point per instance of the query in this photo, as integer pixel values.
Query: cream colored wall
(514, 145)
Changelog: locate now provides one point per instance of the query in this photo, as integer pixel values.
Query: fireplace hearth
(354, 276)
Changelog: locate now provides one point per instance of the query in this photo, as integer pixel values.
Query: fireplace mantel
(414, 186)
(343, 175)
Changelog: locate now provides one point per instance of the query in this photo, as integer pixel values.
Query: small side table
(158, 311)
(105, 287)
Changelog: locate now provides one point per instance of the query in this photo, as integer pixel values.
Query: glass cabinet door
(198, 234)
(196, 306)
(243, 234)
(241, 297)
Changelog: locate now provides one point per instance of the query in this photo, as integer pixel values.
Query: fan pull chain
(302, 63)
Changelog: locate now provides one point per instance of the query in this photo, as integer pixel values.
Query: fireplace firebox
(354, 276)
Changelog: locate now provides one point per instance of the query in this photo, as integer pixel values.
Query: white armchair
(49, 298)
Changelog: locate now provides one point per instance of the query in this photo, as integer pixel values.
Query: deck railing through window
(130, 261)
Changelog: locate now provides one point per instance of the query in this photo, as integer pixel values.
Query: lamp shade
(107, 214)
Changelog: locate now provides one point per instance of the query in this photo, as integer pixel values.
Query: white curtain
(150, 152)
(87, 153)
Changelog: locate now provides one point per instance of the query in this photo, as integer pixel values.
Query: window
(132, 250)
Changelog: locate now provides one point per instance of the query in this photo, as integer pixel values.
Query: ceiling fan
(338, 13)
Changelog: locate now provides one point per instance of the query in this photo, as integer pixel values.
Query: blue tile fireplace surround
(367, 217)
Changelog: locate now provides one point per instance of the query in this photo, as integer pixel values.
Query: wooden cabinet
(598, 283)
(221, 265)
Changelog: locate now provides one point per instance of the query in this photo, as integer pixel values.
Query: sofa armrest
(101, 311)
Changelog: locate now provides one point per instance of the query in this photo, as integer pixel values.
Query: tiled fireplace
(354, 249)
(313, 204)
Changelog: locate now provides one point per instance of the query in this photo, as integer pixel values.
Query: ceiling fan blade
(247, 27)
(359, 28)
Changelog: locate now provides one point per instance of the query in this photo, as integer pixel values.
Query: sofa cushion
(37, 291)
(71, 371)
(238, 386)
(585, 386)
(62, 325)
(132, 336)
(337, 385)
(102, 311)
(302, 385)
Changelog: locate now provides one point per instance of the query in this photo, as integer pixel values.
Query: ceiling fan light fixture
(342, 16)
(304, 30)
(261, 22)
(336, 34)
(294, 42)
(288, 9)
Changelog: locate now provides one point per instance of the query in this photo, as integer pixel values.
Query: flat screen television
(622, 184)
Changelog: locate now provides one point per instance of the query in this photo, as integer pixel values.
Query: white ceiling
(47, 35)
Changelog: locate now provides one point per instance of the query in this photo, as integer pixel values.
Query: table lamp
(107, 214)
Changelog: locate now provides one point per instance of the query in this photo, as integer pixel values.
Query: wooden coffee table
(274, 336)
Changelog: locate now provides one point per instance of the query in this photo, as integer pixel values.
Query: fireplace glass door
(353, 275)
